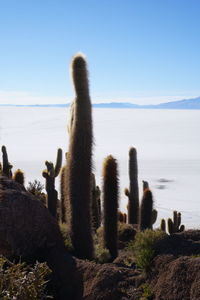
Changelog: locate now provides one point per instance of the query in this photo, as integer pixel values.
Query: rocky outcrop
(28, 232)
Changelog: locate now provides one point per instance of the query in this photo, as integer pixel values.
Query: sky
(139, 51)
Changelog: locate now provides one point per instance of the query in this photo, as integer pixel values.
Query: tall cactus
(50, 174)
(110, 205)
(79, 164)
(19, 176)
(146, 210)
(133, 192)
(7, 167)
(175, 225)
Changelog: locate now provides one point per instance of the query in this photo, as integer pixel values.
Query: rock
(28, 232)
(176, 278)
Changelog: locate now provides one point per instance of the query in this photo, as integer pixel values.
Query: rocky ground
(174, 273)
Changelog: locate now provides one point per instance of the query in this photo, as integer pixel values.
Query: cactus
(96, 215)
(145, 185)
(175, 225)
(110, 205)
(120, 217)
(19, 176)
(154, 215)
(79, 163)
(50, 174)
(63, 200)
(163, 225)
(146, 210)
(125, 218)
(6, 169)
(133, 192)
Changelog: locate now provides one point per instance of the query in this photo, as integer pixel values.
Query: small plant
(102, 255)
(143, 247)
(36, 189)
(126, 232)
(147, 291)
(18, 281)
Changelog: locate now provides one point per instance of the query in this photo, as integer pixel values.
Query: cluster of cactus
(80, 203)
(6, 168)
(50, 174)
(174, 226)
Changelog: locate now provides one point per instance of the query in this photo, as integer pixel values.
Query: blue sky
(141, 51)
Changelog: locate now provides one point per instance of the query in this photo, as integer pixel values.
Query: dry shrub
(22, 282)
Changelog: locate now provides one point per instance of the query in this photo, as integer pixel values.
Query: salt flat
(167, 142)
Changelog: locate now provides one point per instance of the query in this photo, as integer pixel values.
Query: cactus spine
(133, 192)
(79, 164)
(19, 176)
(110, 205)
(50, 174)
(146, 210)
(6, 169)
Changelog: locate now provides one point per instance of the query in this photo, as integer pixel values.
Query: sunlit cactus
(110, 205)
(50, 174)
(79, 162)
(7, 167)
(19, 176)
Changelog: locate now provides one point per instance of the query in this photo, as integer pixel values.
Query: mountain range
(181, 104)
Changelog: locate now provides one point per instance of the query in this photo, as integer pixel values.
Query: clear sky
(141, 51)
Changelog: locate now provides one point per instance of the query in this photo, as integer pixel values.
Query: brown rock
(28, 232)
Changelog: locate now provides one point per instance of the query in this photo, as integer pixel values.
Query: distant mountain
(181, 104)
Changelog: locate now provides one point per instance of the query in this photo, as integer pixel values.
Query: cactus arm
(154, 216)
(58, 162)
(6, 165)
(163, 225)
(170, 226)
